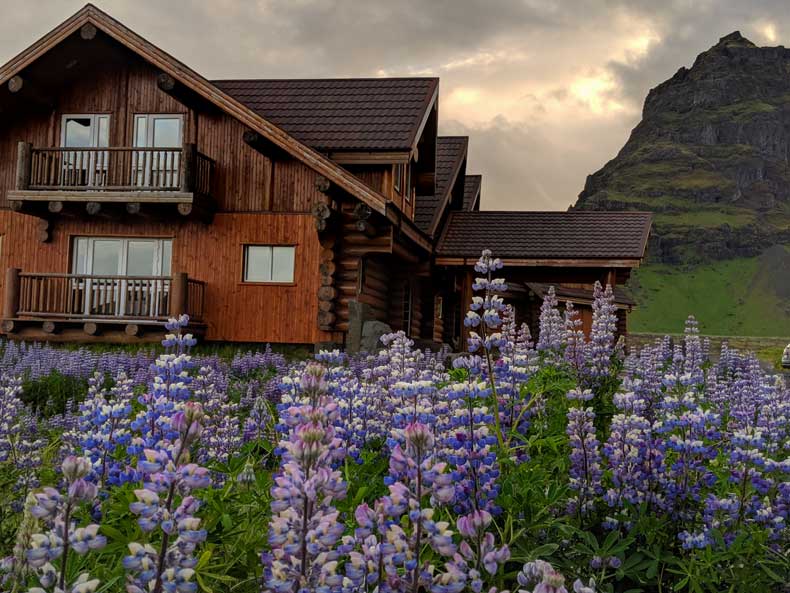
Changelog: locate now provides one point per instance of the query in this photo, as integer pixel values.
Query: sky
(547, 90)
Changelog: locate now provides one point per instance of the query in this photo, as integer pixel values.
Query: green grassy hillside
(746, 296)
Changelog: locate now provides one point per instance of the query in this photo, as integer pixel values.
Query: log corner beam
(88, 31)
(266, 147)
(183, 94)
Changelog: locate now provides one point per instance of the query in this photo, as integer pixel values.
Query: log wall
(244, 179)
(234, 311)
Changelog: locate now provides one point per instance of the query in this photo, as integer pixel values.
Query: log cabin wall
(259, 200)
(406, 291)
(374, 285)
(124, 85)
(362, 268)
(234, 311)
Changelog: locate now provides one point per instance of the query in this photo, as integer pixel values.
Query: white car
(786, 357)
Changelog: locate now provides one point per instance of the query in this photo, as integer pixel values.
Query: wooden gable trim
(437, 216)
(431, 104)
(545, 262)
(476, 199)
(192, 80)
(370, 158)
(646, 234)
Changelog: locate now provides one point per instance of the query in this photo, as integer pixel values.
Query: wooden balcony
(78, 307)
(52, 181)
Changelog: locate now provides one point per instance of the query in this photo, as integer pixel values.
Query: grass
(732, 297)
(706, 217)
(772, 356)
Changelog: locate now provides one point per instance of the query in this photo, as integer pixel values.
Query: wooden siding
(244, 179)
(234, 311)
(242, 176)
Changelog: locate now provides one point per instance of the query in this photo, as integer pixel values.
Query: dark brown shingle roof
(450, 153)
(343, 113)
(549, 235)
(472, 185)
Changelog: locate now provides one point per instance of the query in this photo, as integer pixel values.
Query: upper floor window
(158, 130)
(157, 168)
(397, 178)
(407, 191)
(269, 263)
(85, 131)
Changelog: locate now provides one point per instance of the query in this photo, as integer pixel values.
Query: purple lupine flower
(574, 339)
(304, 530)
(56, 511)
(551, 326)
(585, 471)
(604, 325)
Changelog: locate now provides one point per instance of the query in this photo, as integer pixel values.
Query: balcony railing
(114, 169)
(123, 299)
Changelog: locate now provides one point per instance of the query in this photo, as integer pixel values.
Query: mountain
(710, 157)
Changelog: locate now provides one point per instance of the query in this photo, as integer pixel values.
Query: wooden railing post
(23, 161)
(188, 167)
(178, 294)
(11, 300)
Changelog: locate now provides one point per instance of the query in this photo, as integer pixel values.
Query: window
(397, 178)
(83, 166)
(85, 131)
(269, 263)
(157, 130)
(407, 188)
(111, 256)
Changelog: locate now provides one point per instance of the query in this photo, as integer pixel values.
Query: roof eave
(448, 190)
(444, 259)
(430, 103)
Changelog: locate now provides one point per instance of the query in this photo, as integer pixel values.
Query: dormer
(381, 129)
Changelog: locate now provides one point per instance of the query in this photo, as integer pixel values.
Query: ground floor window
(269, 263)
(114, 256)
(120, 277)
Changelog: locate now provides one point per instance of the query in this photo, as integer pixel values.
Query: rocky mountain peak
(711, 156)
(734, 39)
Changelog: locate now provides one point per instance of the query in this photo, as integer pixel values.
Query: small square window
(269, 263)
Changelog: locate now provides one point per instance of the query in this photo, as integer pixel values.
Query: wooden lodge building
(132, 188)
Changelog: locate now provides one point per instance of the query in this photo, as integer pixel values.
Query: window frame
(94, 119)
(159, 252)
(397, 178)
(244, 250)
(149, 128)
(407, 189)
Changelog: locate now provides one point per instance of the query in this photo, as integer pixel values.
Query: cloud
(548, 90)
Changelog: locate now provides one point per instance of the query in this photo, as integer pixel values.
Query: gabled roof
(196, 83)
(472, 186)
(342, 114)
(575, 235)
(450, 155)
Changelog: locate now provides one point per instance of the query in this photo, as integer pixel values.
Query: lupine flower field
(533, 465)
